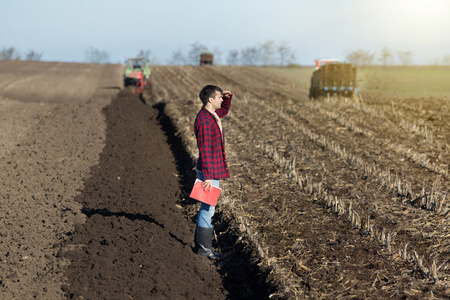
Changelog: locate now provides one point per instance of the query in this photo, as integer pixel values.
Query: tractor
(137, 73)
(333, 78)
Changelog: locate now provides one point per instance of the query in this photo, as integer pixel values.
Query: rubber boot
(203, 242)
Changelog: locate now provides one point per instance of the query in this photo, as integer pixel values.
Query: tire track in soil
(136, 243)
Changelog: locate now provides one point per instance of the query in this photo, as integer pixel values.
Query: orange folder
(208, 197)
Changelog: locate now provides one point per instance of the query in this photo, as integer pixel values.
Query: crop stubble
(340, 198)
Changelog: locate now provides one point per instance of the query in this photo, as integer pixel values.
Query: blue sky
(62, 30)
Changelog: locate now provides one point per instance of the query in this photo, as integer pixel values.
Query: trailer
(333, 78)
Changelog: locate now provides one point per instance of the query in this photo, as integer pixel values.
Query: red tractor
(321, 62)
(137, 74)
(137, 79)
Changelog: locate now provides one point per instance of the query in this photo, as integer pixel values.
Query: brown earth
(334, 198)
(341, 197)
(91, 194)
(52, 133)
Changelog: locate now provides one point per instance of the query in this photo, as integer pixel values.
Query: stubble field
(336, 198)
(341, 198)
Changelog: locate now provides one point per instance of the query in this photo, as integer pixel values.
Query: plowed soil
(91, 194)
(335, 198)
(342, 198)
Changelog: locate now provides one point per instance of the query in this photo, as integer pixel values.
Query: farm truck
(137, 73)
(333, 78)
(206, 58)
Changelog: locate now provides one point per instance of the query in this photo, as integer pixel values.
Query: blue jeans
(206, 211)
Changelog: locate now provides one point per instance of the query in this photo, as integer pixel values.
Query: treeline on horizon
(268, 53)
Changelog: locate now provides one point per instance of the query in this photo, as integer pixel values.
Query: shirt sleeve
(204, 143)
(223, 110)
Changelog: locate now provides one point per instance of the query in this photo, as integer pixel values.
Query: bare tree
(436, 62)
(147, 54)
(194, 53)
(267, 53)
(354, 57)
(446, 60)
(405, 58)
(285, 55)
(360, 57)
(177, 58)
(250, 56)
(9, 54)
(233, 57)
(386, 57)
(218, 54)
(32, 55)
(96, 56)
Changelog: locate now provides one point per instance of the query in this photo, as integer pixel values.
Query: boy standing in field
(212, 163)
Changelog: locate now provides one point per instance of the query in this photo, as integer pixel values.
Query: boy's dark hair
(208, 91)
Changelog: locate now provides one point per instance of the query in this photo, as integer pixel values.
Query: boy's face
(217, 100)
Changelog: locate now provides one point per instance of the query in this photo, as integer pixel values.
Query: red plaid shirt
(211, 143)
